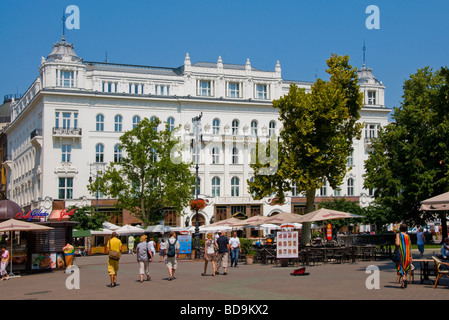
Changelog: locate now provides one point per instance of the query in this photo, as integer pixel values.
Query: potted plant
(247, 250)
(197, 205)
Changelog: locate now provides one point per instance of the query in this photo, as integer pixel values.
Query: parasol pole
(10, 255)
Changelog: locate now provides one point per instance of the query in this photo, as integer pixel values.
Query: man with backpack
(171, 255)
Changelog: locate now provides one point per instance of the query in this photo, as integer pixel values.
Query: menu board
(41, 261)
(287, 244)
(185, 242)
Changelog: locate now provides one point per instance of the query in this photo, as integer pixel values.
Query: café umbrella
(326, 214)
(12, 225)
(437, 203)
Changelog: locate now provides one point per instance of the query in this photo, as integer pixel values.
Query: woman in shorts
(209, 253)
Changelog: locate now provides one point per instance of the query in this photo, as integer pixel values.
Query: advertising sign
(41, 261)
(287, 244)
(185, 242)
(329, 232)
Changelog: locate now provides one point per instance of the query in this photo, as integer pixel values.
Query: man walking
(222, 255)
(114, 245)
(234, 244)
(171, 254)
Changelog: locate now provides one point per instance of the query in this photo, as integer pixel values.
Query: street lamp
(196, 143)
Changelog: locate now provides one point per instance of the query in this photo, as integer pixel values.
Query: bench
(440, 272)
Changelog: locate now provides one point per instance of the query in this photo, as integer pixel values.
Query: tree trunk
(306, 232)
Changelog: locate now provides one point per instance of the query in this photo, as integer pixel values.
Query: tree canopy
(410, 159)
(318, 128)
(146, 180)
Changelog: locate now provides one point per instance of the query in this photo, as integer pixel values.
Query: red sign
(329, 232)
(64, 213)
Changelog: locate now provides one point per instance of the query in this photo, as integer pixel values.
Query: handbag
(114, 255)
(396, 257)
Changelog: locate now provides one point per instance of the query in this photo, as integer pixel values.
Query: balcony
(36, 138)
(62, 133)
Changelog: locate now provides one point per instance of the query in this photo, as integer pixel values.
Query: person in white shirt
(234, 242)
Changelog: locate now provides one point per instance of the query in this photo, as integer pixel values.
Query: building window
(254, 128)
(350, 187)
(109, 86)
(261, 91)
(372, 130)
(99, 122)
(170, 218)
(233, 90)
(136, 121)
(216, 126)
(66, 79)
(65, 188)
(235, 155)
(197, 187)
(162, 90)
(351, 159)
(171, 123)
(337, 192)
(118, 123)
(117, 153)
(215, 187)
(205, 88)
(294, 189)
(323, 189)
(153, 118)
(235, 127)
(196, 154)
(215, 155)
(66, 152)
(235, 187)
(272, 128)
(371, 98)
(136, 88)
(99, 153)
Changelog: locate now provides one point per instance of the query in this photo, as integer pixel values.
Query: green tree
(88, 218)
(148, 179)
(410, 158)
(318, 129)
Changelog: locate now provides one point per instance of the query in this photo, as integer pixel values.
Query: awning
(80, 233)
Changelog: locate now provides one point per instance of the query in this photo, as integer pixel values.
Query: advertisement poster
(329, 232)
(185, 242)
(41, 261)
(287, 244)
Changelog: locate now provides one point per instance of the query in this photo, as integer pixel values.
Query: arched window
(171, 123)
(350, 187)
(216, 126)
(136, 121)
(272, 129)
(215, 155)
(99, 119)
(235, 155)
(118, 119)
(152, 119)
(235, 127)
(235, 187)
(254, 128)
(215, 187)
(99, 153)
(117, 153)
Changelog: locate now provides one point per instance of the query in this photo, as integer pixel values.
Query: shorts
(144, 267)
(112, 266)
(172, 263)
(222, 260)
(420, 247)
(162, 252)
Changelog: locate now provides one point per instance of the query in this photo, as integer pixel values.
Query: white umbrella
(128, 230)
(110, 226)
(102, 232)
(437, 203)
(326, 214)
(207, 229)
(158, 228)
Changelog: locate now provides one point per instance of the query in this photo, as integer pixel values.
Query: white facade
(67, 124)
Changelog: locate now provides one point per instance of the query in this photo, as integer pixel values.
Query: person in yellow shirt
(116, 245)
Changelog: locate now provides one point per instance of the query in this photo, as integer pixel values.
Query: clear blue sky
(300, 34)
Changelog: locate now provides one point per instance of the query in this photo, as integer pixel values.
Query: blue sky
(300, 34)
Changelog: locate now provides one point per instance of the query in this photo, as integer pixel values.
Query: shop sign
(64, 213)
(36, 213)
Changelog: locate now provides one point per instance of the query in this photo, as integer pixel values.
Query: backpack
(171, 252)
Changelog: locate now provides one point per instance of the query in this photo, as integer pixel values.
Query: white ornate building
(67, 125)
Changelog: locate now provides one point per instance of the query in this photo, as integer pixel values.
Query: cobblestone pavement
(346, 281)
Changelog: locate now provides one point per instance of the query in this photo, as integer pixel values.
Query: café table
(424, 270)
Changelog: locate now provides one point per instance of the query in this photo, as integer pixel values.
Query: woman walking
(162, 250)
(404, 245)
(144, 256)
(209, 253)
